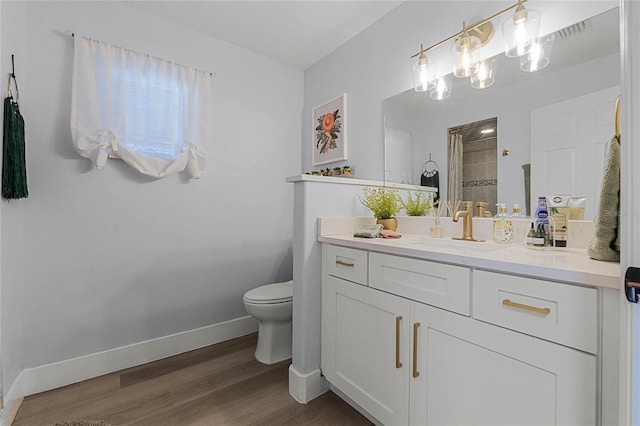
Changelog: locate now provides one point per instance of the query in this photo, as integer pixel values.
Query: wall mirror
(585, 59)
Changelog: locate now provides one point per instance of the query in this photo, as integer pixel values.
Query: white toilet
(272, 306)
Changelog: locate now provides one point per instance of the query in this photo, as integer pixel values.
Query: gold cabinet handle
(543, 311)
(340, 262)
(398, 363)
(416, 373)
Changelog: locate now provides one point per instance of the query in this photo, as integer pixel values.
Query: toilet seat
(270, 294)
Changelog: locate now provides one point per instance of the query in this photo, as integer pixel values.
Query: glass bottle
(437, 231)
(508, 224)
(498, 225)
(531, 235)
(519, 230)
(516, 213)
(538, 239)
(502, 225)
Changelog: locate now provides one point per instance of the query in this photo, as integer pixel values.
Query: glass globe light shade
(519, 31)
(539, 56)
(485, 74)
(442, 88)
(466, 54)
(423, 73)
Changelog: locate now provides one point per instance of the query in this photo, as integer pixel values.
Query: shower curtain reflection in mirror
(472, 166)
(455, 155)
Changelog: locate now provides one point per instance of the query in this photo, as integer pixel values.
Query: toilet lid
(271, 293)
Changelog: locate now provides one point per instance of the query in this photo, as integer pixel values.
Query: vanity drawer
(346, 263)
(440, 285)
(561, 313)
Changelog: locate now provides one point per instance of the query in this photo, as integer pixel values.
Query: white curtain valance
(151, 113)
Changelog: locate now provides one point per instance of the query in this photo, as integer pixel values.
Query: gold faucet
(467, 223)
(481, 210)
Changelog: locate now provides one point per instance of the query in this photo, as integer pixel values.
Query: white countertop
(568, 265)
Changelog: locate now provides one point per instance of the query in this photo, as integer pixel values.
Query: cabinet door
(473, 373)
(365, 345)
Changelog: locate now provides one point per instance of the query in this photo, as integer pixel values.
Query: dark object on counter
(368, 231)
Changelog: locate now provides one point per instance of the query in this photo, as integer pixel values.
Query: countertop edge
(490, 262)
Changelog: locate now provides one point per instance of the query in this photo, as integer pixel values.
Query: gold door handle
(340, 262)
(543, 311)
(398, 363)
(416, 373)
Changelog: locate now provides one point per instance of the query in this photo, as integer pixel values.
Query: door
(470, 372)
(365, 347)
(567, 146)
(398, 166)
(629, 207)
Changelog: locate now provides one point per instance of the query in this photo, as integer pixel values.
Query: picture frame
(329, 131)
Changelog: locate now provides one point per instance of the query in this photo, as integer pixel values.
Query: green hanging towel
(14, 167)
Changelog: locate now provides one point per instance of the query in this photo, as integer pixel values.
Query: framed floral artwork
(329, 123)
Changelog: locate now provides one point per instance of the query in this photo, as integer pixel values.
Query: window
(156, 105)
(153, 114)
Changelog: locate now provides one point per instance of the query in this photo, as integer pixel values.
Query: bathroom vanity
(434, 332)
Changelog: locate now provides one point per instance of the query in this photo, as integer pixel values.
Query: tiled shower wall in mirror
(479, 171)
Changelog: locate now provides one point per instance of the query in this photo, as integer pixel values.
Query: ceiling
(298, 33)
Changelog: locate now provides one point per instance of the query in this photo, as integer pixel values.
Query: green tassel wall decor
(14, 168)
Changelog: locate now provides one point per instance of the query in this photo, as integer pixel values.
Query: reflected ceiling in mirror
(581, 42)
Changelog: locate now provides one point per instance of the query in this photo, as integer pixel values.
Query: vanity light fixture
(520, 30)
(423, 73)
(466, 53)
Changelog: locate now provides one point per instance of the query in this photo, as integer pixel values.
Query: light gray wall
(375, 64)
(112, 258)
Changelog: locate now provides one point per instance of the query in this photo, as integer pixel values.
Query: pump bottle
(502, 225)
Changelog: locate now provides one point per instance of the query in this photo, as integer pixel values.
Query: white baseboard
(62, 373)
(10, 410)
(305, 387)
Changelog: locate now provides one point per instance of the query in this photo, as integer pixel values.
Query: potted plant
(346, 170)
(337, 171)
(385, 203)
(418, 205)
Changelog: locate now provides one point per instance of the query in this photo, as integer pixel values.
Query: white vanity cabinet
(403, 344)
(365, 350)
(473, 373)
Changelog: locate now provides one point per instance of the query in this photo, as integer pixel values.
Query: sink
(448, 244)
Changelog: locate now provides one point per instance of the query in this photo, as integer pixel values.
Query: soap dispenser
(502, 225)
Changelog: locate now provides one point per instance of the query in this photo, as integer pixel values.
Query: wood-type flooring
(221, 384)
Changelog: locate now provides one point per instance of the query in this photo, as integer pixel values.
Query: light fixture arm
(470, 27)
(422, 55)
